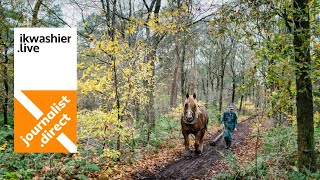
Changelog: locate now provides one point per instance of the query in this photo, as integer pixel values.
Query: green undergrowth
(277, 158)
(166, 130)
(91, 158)
(42, 165)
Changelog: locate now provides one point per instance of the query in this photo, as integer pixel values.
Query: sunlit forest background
(137, 60)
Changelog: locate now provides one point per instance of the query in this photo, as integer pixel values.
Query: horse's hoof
(198, 152)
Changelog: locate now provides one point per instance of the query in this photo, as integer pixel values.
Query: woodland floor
(210, 163)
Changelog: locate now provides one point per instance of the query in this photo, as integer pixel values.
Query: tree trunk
(207, 97)
(304, 99)
(182, 73)
(233, 89)
(233, 71)
(151, 117)
(243, 70)
(204, 88)
(154, 41)
(212, 89)
(221, 92)
(217, 91)
(111, 32)
(106, 13)
(222, 65)
(113, 24)
(5, 81)
(253, 97)
(258, 97)
(35, 12)
(6, 87)
(211, 81)
(183, 54)
(241, 100)
(173, 94)
(113, 59)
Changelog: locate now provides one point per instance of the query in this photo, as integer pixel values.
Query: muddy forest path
(203, 166)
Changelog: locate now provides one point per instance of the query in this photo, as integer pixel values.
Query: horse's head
(190, 109)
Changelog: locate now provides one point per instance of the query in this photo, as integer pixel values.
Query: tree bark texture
(304, 99)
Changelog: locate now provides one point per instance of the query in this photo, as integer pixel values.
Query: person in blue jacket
(230, 123)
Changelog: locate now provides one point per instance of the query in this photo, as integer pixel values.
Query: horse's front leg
(186, 140)
(201, 140)
(197, 144)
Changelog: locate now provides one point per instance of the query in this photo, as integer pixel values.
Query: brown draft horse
(194, 121)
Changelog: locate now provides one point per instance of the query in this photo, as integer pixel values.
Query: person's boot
(227, 142)
(229, 145)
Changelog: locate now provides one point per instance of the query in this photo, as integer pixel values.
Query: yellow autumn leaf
(3, 147)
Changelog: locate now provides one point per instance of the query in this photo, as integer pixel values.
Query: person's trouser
(228, 134)
(228, 142)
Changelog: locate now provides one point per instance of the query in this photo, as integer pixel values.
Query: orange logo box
(55, 131)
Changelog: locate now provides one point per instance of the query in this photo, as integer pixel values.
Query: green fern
(91, 167)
